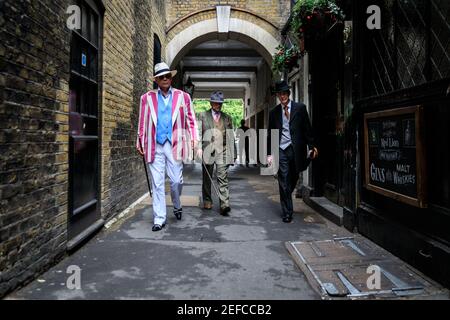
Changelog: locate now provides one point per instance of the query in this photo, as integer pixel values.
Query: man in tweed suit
(219, 149)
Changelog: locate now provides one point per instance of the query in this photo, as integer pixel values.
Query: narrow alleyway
(375, 83)
(203, 256)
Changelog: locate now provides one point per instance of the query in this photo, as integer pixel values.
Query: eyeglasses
(165, 76)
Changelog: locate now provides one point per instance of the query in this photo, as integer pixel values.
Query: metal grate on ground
(339, 268)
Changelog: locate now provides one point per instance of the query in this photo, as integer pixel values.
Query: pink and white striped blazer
(184, 125)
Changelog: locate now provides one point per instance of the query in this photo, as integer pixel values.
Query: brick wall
(270, 15)
(34, 55)
(159, 23)
(201, 16)
(211, 14)
(128, 65)
(34, 76)
(276, 11)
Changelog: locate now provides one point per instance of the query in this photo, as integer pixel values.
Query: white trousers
(164, 162)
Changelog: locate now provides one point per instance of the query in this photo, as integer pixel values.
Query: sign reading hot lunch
(394, 154)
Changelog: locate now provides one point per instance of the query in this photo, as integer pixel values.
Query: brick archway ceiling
(226, 65)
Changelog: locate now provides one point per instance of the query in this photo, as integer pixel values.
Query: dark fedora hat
(281, 86)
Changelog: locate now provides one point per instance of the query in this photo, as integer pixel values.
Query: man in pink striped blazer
(167, 131)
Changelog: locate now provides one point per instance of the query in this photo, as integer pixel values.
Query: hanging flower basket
(286, 58)
(312, 19)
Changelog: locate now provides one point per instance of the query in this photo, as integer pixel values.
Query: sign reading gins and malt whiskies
(394, 154)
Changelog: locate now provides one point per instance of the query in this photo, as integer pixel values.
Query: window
(84, 64)
(411, 48)
(294, 90)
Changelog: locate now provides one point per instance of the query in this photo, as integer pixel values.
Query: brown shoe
(207, 205)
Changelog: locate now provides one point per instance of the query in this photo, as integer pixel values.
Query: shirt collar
(170, 92)
(288, 105)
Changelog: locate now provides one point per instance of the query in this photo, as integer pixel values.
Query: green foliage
(201, 105)
(285, 58)
(233, 107)
(307, 15)
(310, 19)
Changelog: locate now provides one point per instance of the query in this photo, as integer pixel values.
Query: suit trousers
(222, 180)
(287, 180)
(164, 162)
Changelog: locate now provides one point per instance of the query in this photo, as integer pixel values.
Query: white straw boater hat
(161, 69)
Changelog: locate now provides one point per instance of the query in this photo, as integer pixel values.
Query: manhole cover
(356, 268)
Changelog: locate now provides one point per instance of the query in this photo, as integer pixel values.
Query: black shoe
(287, 219)
(157, 227)
(178, 213)
(224, 211)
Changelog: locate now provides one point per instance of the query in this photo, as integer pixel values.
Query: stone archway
(202, 46)
(221, 23)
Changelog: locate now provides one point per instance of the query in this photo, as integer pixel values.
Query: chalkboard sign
(394, 154)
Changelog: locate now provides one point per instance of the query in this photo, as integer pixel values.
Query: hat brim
(173, 72)
(282, 89)
(216, 101)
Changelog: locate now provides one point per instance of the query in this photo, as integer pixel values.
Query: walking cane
(210, 178)
(146, 172)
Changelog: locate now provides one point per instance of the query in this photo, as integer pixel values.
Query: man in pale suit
(166, 131)
(219, 149)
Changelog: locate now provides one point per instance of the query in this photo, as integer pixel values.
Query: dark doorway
(326, 64)
(84, 201)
